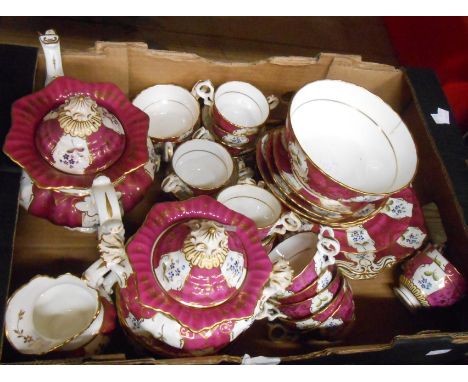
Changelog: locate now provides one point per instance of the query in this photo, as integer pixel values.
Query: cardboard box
(384, 331)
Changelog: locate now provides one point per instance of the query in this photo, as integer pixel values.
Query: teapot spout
(50, 43)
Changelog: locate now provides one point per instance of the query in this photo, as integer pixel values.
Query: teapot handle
(113, 266)
(50, 43)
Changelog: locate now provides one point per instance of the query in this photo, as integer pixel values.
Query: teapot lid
(64, 134)
(198, 262)
(80, 137)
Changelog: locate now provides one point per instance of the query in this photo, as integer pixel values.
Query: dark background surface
(221, 38)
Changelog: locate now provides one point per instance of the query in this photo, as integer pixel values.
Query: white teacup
(262, 207)
(48, 314)
(200, 167)
(173, 112)
(236, 105)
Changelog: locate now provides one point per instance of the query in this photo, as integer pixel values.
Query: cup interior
(298, 250)
(63, 311)
(254, 202)
(353, 136)
(203, 164)
(241, 104)
(172, 110)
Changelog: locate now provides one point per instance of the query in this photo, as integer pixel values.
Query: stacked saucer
(318, 297)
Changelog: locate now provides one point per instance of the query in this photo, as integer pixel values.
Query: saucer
(368, 265)
(367, 218)
(287, 181)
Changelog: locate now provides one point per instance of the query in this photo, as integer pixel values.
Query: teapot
(66, 134)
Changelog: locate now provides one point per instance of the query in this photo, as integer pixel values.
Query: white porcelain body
(200, 166)
(50, 43)
(261, 206)
(358, 140)
(172, 110)
(53, 313)
(242, 104)
(236, 104)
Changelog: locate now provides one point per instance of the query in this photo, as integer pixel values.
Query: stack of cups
(318, 297)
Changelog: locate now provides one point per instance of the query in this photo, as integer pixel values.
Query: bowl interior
(298, 250)
(64, 311)
(254, 202)
(353, 136)
(172, 110)
(241, 104)
(203, 164)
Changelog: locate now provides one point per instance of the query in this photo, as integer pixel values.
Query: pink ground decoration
(148, 292)
(28, 112)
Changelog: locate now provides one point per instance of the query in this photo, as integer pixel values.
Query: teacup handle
(167, 151)
(245, 174)
(289, 221)
(50, 43)
(273, 101)
(327, 247)
(247, 180)
(205, 90)
(203, 133)
(172, 183)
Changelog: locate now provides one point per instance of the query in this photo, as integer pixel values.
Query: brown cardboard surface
(41, 247)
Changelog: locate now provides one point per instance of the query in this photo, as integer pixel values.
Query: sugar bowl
(200, 278)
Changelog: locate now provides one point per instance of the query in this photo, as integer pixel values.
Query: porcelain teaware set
(334, 201)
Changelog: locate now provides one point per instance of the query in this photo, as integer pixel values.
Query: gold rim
(344, 285)
(314, 283)
(158, 310)
(269, 239)
(259, 200)
(174, 139)
(272, 187)
(138, 299)
(61, 188)
(278, 132)
(415, 291)
(310, 215)
(309, 264)
(248, 136)
(335, 278)
(234, 124)
(231, 179)
(359, 221)
(208, 123)
(304, 208)
(96, 314)
(289, 126)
